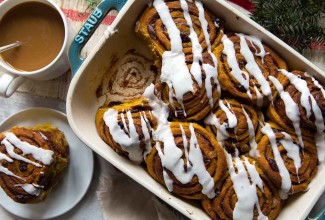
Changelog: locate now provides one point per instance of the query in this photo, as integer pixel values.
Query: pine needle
(297, 22)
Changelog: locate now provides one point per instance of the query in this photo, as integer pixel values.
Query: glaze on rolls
(300, 108)
(127, 128)
(186, 81)
(246, 193)
(289, 165)
(195, 105)
(152, 27)
(236, 126)
(187, 160)
(244, 67)
(32, 162)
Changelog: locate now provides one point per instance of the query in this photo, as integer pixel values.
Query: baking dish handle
(88, 29)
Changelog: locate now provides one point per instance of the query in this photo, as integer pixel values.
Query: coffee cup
(42, 28)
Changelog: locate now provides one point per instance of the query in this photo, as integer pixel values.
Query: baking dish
(82, 102)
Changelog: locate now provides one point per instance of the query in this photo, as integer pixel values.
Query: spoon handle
(9, 46)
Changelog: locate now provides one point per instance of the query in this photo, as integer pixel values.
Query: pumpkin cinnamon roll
(187, 160)
(127, 128)
(185, 38)
(289, 165)
(32, 161)
(299, 108)
(246, 193)
(203, 97)
(186, 18)
(236, 126)
(244, 67)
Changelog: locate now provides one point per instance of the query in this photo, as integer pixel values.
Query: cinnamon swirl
(187, 36)
(127, 128)
(153, 29)
(236, 126)
(299, 108)
(32, 160)
(195, 104)
(244, 67)
(187, 160)
(247, 193)
(289, 165)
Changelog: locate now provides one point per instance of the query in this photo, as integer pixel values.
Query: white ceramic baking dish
(82, 102)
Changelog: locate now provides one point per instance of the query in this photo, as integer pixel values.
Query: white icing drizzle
(316, 83)
(253, 67)
(171, 156)
(5, 157)
(196, 47)
(146, 128)
(42, 155)
(255, 41)
(284, 173)
(245, 190)
(174, 70)
(159, 109)
(198, 166)
(255, 177)
(210, 71)
(171, 160)
(124, 123)
(10, 150)
(222, 133)
(9, 173)
(305, 99)
(292, 151)
(129, 143)
(241, 76)
(251, 130)
(30, 189)
(256, 180)
(291, 108)
(259, 97)
(43, 136)
(232, 120)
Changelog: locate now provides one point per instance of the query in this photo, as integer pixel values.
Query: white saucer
(73, 185)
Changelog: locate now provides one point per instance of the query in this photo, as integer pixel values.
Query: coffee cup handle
(9, 83)
(87, 30)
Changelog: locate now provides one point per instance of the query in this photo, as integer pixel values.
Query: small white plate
(72, 187)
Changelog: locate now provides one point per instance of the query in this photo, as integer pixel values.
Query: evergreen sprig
(297, 22)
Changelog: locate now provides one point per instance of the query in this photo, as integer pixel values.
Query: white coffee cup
(11, 79)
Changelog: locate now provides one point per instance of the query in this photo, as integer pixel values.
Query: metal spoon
(7, 47)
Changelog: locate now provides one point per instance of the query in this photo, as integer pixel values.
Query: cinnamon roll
(236, 126)
(153, 29)
(247, 193)
(187, 160)
(289, 165)
(195, 104)
(127, 128)
(299, 108)
(32, 161)
(187, 36)
(244, 67)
